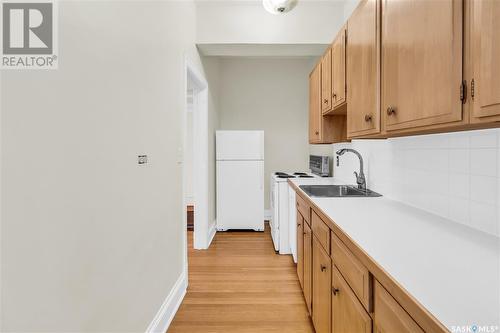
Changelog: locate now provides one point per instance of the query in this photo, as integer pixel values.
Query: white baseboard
(267, 214)
(211, 233)
(169, 308)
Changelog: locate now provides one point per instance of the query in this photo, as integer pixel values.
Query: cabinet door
(308, 266)
(363, 70)
(421, 63)
(300, 249)
(390, 316)
(326, 82)
(321, 296)
(485, 57)
(314, 105)
(348, 315)
(338, 70)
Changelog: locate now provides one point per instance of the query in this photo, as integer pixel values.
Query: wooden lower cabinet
(390, 316)
(321, 286)
(307, 240)
(348, 315)
(300, 248)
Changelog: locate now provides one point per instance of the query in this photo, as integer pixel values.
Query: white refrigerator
(240, 180)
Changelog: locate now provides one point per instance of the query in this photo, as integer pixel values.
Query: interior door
(314, 105)
(421, 62)
(363, 70)
(485, 56)
(240, 195)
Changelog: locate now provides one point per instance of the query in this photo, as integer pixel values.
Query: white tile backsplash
(454, 175)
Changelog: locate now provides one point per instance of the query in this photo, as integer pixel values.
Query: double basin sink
(337, 191)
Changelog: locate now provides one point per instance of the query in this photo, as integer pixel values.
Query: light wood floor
(241, 285)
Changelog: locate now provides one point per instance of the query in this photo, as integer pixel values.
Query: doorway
(195, 157)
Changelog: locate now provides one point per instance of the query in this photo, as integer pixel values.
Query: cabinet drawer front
(354, 272)
(321, 231)
(303, 208)
(390, 316)
(348, 315)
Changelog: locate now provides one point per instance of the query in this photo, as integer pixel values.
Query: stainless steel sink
(336, 191)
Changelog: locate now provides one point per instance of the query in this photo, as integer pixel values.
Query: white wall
(454, 175)
(243, 22)
(269, 94)
(90, 240)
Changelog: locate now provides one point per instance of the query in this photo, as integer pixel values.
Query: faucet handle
(356, 174)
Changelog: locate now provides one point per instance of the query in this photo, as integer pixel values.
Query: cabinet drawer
(304, 209)
(321, 231)
(353, 271)
(390, 316)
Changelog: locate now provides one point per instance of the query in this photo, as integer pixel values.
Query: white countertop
(451, 269)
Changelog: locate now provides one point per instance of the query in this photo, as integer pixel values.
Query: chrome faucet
(360, 178)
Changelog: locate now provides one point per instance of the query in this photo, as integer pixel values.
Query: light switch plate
(142, 159)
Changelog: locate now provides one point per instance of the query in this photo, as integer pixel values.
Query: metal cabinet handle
(335, 291)
(368, 117)
(334, 95)
(323, 268)
(325, 101)
(391, 110)
(317, 133)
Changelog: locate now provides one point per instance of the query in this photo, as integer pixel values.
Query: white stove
(283, 219)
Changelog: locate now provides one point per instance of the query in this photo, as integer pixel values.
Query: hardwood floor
(241, 285)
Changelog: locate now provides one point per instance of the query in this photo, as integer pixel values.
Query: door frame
(201, 239)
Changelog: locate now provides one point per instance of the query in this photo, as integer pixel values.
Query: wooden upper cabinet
(363, 70)
(339, 70)
(307, 266)
(314, 105)
(348, 315)
(484, 22)
(322, 129)
(421, 71)
(390, 316)
(326, 81)
(321, 284)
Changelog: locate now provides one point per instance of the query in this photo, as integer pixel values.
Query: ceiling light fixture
(277, 7)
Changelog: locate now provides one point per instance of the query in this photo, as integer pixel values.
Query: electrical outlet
(142, 159)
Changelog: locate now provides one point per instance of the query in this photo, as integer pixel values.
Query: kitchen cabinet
(421, 63)
(300, 248)
(339, 73)
(326, 81)
(363, 70)
(348, 315)
(307, 266)
(321, 284)
(390, 316)
(322, 129)
(354, 272)
(484, 23)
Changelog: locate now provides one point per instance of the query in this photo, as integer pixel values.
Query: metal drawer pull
(335, 291)
(391, 110)
(323, 268)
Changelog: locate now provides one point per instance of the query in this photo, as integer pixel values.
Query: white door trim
(200, 157)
